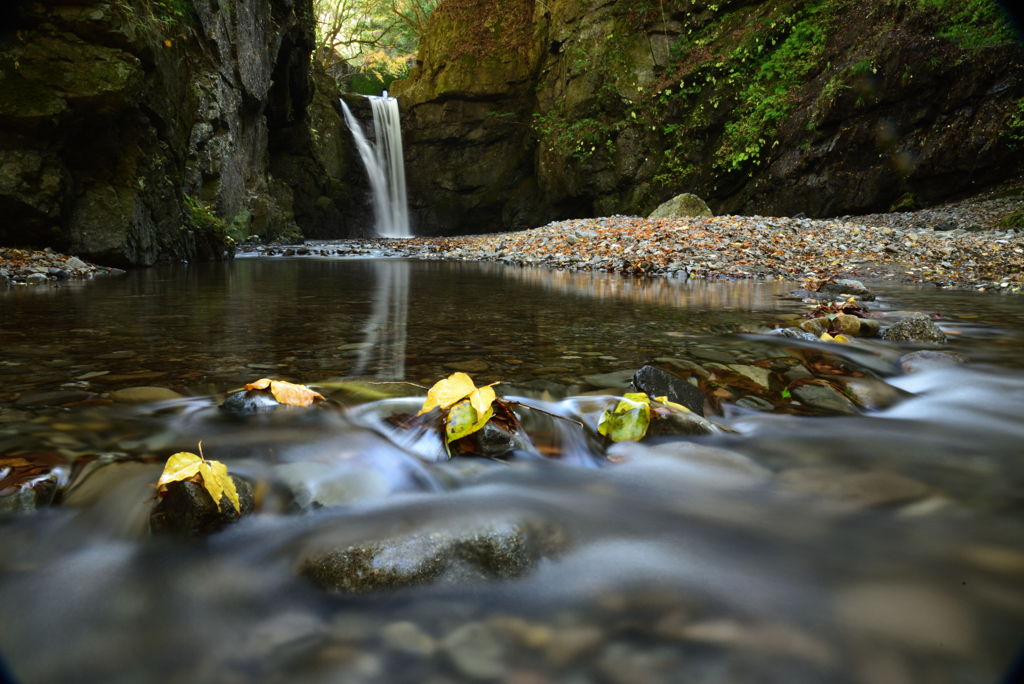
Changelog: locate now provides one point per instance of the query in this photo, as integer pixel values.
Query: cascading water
(384, 165)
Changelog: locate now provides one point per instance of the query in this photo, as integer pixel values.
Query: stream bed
(874, 538)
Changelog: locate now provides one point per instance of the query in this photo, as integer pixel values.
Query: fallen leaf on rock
(286, 392)
(453, 389)
(464, 419)
(630, 419)
(213, 475)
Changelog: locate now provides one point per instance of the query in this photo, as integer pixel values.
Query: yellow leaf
(672, 404)
(463, 419)
(286, 392)
(214, 476)
(168, 43)
(629, 421)
(453, 389)
(180, 466)
(825, 337)
(482, 399)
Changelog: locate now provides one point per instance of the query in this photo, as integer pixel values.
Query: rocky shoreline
(46, 267)
(955, 246)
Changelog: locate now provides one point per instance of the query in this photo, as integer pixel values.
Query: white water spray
(384, 165)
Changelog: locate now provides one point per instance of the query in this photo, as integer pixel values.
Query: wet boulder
(496, 550)
(915, 328)
(656, 382)
(187, 508)
(842, 324)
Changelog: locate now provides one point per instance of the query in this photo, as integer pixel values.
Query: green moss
(971, 23)
(1014, 220)
(203, 219)
(907, 202)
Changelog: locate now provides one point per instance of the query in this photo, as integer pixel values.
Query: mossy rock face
(110, 118)
(680, 206)
(770, 108)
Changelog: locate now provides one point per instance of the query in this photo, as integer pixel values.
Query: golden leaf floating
(825, 337)
(286, 392)
(213, 475)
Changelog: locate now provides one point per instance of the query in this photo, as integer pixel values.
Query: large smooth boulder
(656, 382)
(682, 205)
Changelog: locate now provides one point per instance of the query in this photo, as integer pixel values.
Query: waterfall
(384, 165)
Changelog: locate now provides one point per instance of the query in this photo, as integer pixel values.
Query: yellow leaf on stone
(213, 474)
(463, 420)
(453, 389)
(630, 419)
(180, 466)
(825, 337)
(482, 399)
(286, 392)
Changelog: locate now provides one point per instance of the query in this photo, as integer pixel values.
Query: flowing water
(384, 164)
(884, 545)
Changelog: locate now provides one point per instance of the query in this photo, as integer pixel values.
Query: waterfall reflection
(385, 333)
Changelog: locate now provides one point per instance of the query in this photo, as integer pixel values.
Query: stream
(881, 542)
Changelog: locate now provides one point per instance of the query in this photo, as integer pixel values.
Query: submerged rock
(682, 205)
(824, 397)
(498, 550)
(926, 360)
(866, 489)
(846, 325)
(656, 382)
(915, 328)
(143, 395)
(187, 508)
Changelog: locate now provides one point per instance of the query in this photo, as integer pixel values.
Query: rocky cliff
(826, 107)
(135, 132)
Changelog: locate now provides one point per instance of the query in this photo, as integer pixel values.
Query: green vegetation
(163, 15)
(203, 219)
(373, 40)
(971, 23)
(1014, 126)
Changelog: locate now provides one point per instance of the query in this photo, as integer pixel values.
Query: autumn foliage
(489, 27)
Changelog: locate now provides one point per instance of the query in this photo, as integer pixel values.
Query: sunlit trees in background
(368, 43)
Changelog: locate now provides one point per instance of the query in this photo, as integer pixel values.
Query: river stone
(847, 287)
(926, 360)
(872, 489)
(497, 550)
(795, 333)
(680, 206)
(915, 328)
(493, 441)
(684, 364)
(475, 651)
(823, 397)
(847, 325)
(756, 403)
(75, 264)
(27, 499)
(619, 380)
(250, 401)
(659, 383)
(36, 278)
(678, 423)
(58, 398)
(143, 395)
(408, 638)
(469, 366)
(187, 508)
(869, 327)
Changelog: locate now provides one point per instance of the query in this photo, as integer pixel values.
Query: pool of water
(879, 544)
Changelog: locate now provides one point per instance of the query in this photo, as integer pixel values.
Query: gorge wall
(132, 138)
(826, 107)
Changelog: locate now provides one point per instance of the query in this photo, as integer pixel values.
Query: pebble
(408, 638)
(475, 651)
(927, 360)
(58, 398)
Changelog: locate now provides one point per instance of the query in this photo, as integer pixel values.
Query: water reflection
(386, 332)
